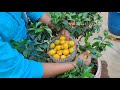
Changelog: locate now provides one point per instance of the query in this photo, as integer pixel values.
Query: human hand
(66, 33)
(85, 57)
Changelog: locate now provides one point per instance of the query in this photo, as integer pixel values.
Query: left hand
(66, 33)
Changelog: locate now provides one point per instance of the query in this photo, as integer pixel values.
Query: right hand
(81, 56)
(66, 33)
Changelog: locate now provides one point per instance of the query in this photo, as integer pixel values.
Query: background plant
(78, 23)
(36, 45)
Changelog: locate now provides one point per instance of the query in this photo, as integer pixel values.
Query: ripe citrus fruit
(71, 50)
(58, 47)
(52, 45)
(55, 49)
(59, 52)
(63, 57)
(71, 43)
(52, 52)
(62, 42)
(62, 47)
(62, 38)
(85, 57)
(57, 42)
(65, 46)
(66, 52)
(56, 56)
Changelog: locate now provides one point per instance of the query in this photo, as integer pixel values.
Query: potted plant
(82, 26)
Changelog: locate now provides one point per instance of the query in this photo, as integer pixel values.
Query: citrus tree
(83, 25)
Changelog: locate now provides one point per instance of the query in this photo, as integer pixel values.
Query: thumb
(67, 36)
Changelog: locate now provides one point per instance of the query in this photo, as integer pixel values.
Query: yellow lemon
(56, 56)
(62, 38)
(59, 52)
(63, 57)
(52, 52)
(52, 45)
(65, 46)
(71, 43)
(58, 47)
(57, 42)
(71, 50)
(65, 52)
(62, 42)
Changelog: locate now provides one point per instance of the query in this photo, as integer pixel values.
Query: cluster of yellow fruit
(61, 49)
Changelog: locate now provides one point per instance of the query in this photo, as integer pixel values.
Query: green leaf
(38, 30)
(38, 49)
(31, 29)
(25, 53)
(93, 56)
(70, 76)
(49, 31)
(44, 45)
(78, 23)
(88, 75)
(85, 15)
(101, 47)
(109, 36)
(87, 19)
(98, 38)
(97, 28)
(69, 17)
(38, 24)
(96, 44)
(78, 30)
(108, 43)
(92, 50)
(86, 37)
(65, 22)
(86, 72)
(105, 33)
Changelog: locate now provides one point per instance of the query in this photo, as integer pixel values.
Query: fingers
(62, 32)
(87, 52)
(67, 36)
(88, 60)
(66, 33)
(81, 56)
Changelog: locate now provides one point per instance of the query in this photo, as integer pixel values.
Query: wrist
(73, 64)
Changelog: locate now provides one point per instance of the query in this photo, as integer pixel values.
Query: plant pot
(99, 69)
(113, 23)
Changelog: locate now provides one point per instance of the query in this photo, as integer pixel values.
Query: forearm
(53, 69)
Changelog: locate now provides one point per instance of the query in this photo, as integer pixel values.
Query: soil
(94, 70)
(104, 73)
